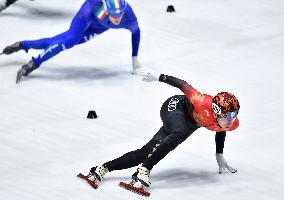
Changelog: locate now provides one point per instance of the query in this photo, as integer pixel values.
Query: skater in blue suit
(93, 18)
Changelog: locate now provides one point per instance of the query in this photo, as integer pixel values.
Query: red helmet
(226, 108)
(224, 103)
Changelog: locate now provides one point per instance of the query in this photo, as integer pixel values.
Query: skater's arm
(222, 163)
(173, 81)
(150, 75)
(135, 37)
(186, 88)
(219, 141)
(135, 47)
(135, 41)
(131, 23)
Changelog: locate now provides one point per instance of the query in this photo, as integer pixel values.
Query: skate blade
(1, 53)
(92, 183)
(136, 190)
(19, 76)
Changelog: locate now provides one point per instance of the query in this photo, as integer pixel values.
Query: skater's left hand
(135, 64)
(223, 165)
(149, 75)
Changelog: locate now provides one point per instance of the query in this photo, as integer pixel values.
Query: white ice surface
(220, 45)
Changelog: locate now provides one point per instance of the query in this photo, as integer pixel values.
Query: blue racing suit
(90, 21)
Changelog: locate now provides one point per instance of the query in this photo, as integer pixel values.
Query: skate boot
(13, 48)
(143, 176)
(139, 182)
(99, 172)
(134, 176)
(25, 70)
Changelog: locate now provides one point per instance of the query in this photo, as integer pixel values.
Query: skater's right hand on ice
(223, 165)
(148, 75)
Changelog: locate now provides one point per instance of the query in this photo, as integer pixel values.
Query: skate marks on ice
(16, 64)
(82, 73)
(175, 178)
(178, 178)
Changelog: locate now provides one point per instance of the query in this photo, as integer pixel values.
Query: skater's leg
(176, 122)
(177, 135)
(42, 43)
(67, 40)
(76, 28)
(179, 132)
(64, 41)
(136, 157)
(91, 33)
(80, 22)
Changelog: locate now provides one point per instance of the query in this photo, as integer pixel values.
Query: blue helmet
(115, 7)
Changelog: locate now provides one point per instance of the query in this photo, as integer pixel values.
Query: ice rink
(215, 45)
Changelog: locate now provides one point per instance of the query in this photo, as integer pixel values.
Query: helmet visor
(227, 120)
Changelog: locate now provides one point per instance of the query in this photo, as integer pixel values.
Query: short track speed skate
(136, 187)
(88, 179)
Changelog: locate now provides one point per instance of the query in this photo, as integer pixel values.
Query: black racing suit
(178, 124)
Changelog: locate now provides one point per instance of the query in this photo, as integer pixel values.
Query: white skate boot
(139, 182)
(99, 172)
(143, 176)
